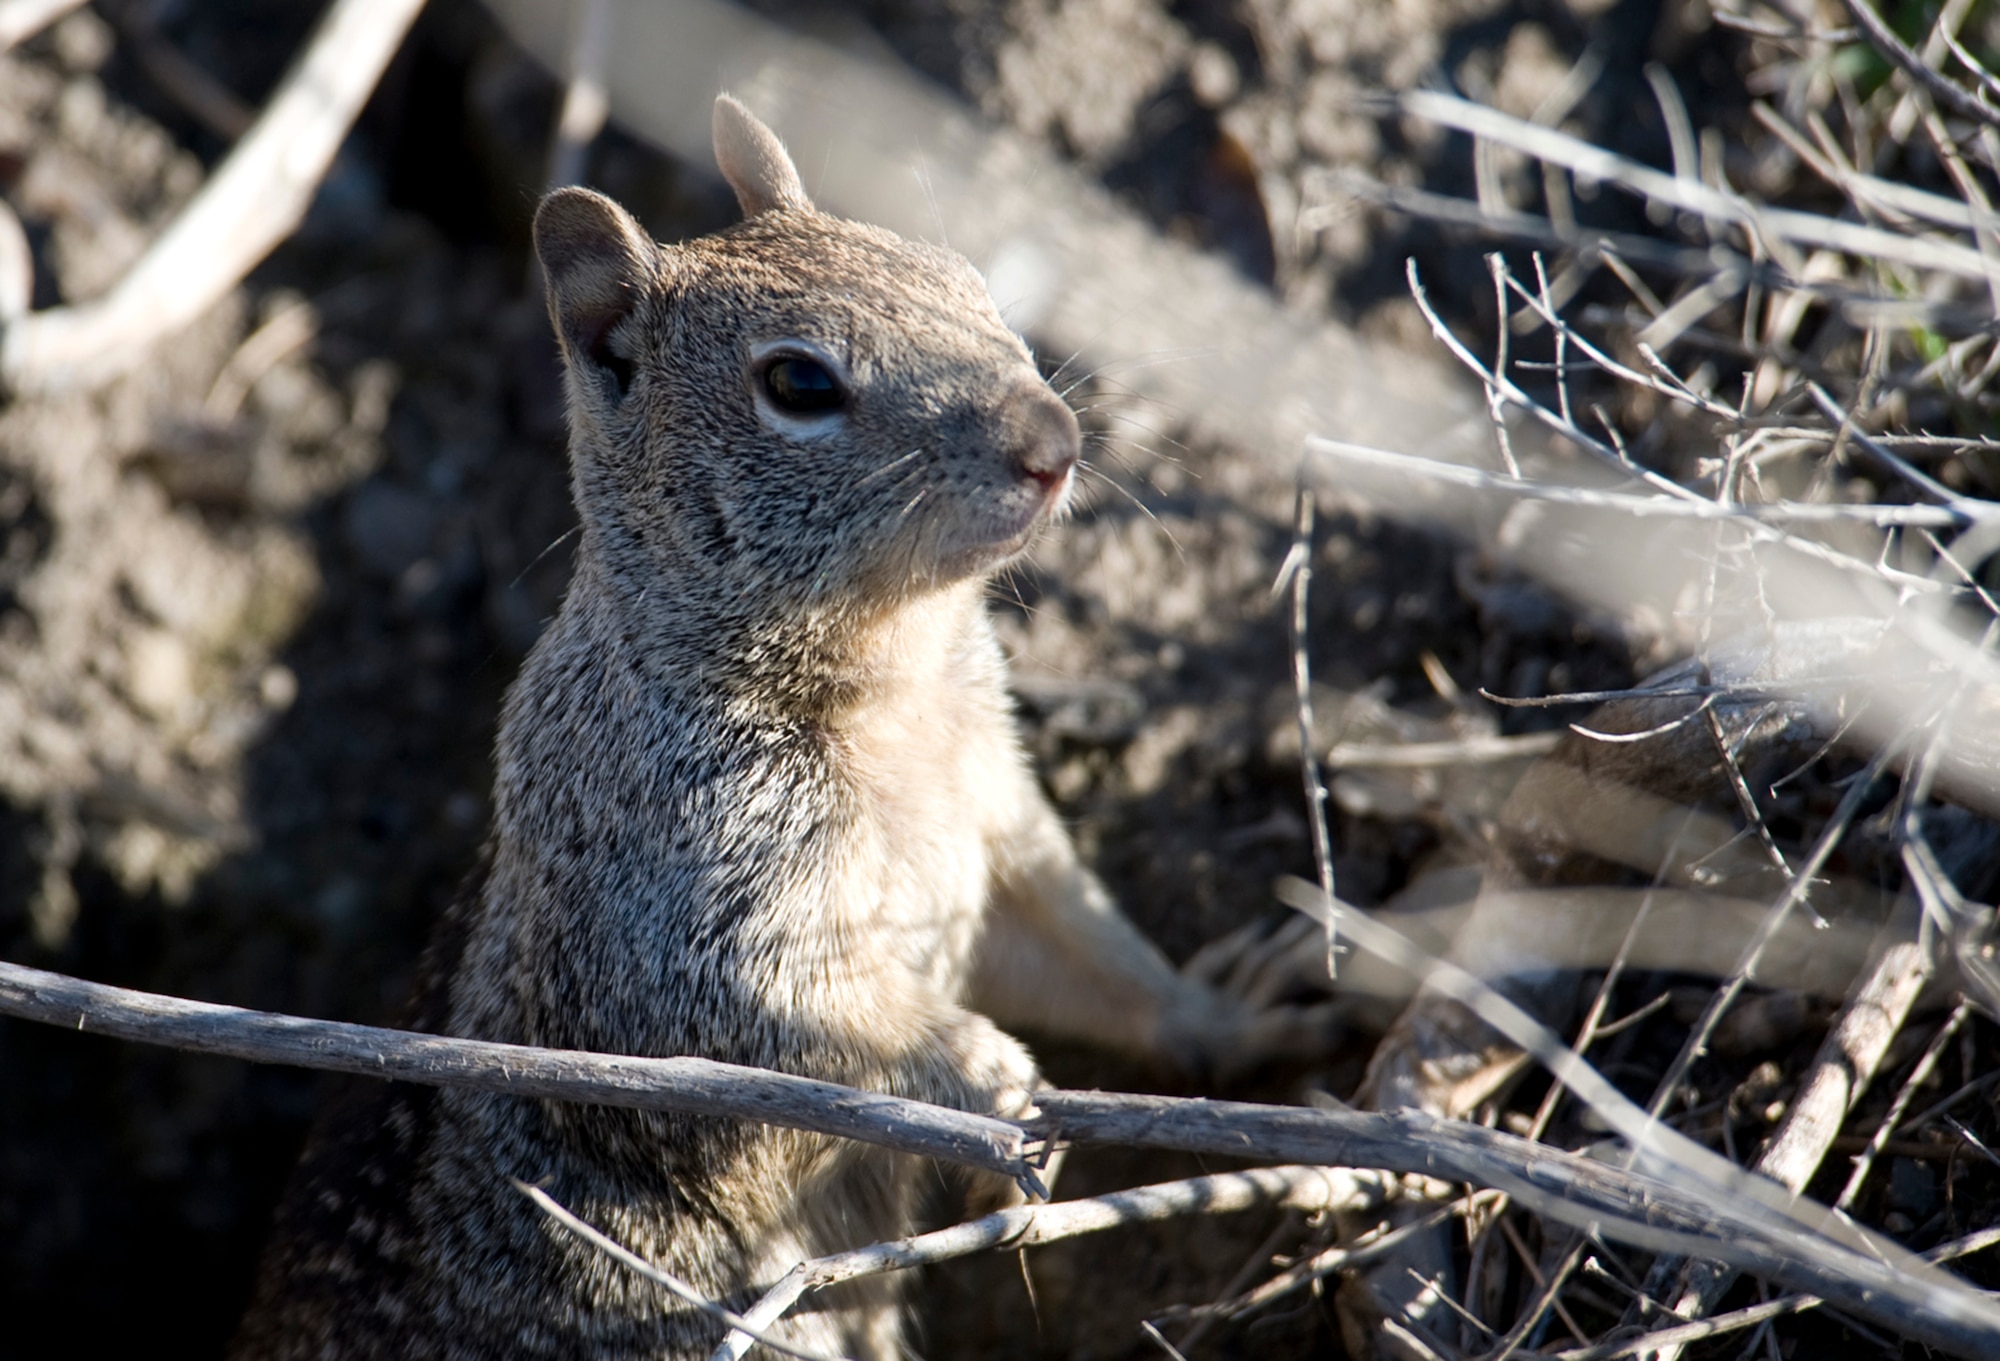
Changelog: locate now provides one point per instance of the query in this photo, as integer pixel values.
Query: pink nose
(1042, 436)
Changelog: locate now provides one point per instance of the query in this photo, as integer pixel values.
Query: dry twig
(1312, 1189)
(695, 1086)
(255, 200)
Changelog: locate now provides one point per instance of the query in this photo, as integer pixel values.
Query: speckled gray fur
(759, 798)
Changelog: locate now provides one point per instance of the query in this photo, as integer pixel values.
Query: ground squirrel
(759, 797)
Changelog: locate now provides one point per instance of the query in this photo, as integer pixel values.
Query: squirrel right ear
(754, 161)
(598, 262)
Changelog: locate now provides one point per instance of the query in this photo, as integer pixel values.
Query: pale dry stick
(689, 1085)
(1646, 250)
(1556, 106)
(1311, 1189)
(1779, 228)
(1884, 40)
(21, 20)
(1680, 128)
(1797, 34)
(17, 268)
(1431, 755)
(1840, 1073)
(1617, 251)
(1297, 572)
(1496, 406)
(1692, 306)
(1864, 1161)
(586, 106)
(1421, 1345)
(1921, 442)
(1763, 521)
(254, 200)
(673, 1284)
(1809, 1233)
(1751, 1315)
(1661, 507)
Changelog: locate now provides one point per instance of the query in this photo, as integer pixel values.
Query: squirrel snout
(1043, 439)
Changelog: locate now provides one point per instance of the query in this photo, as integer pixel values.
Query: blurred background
(262, 587)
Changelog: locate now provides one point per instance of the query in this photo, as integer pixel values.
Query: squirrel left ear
(754, 161)
(599, 262)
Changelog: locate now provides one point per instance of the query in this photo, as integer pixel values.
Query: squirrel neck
(826, 664)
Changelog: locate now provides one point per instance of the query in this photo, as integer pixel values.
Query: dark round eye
(803, 385)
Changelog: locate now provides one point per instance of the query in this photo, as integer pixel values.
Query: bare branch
(1312, 1189)
(1625, 503)
(1429, 755)
(674, 1285)
(1884, 40)
(1298, 567)
(1784, 227)
(1749, 1317)
(1882, 1282)
(691, 1085)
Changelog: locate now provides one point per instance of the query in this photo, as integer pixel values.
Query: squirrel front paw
(1236, 1007)
(1003, 1078)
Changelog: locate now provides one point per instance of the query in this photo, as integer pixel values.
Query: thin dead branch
(1737, 1320)
(1662, 507)
(1663, 1213)
(1786, 229)
(695, 1086)
(255, 200)
(1884, 40)
(1311, 1189)
(1297, 573)
(674, 1285)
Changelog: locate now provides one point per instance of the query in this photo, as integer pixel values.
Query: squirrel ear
(754, 161)
(598, 262)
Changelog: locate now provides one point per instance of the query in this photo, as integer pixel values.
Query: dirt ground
(259, 600)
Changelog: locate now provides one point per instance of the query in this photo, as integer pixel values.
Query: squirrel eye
(803, 385)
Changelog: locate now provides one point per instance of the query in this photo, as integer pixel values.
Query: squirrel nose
(1043, 439)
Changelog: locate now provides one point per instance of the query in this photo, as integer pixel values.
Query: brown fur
(759, 798)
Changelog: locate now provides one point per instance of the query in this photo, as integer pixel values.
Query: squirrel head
(799, 415)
